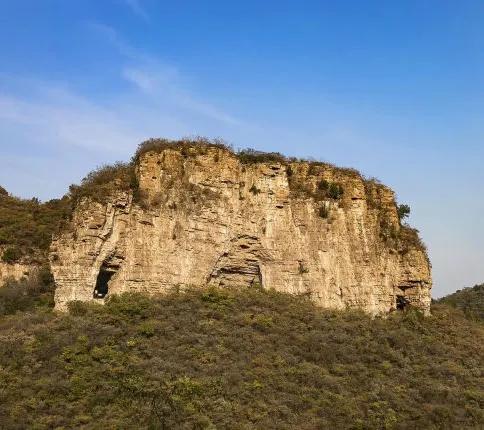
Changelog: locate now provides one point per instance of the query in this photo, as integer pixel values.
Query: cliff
(199, 214)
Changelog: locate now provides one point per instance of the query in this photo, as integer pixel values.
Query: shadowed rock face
(207, 219)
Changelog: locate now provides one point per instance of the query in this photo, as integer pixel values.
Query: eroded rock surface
(205, 218)
(15, 271)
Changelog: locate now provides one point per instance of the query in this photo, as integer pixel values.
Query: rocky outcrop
(204, 216)
(15, 270)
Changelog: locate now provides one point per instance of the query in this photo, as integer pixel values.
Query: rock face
(15, 271)
(203, 216)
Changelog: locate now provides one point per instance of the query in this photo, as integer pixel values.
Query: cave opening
(102, 283)
(402, 302)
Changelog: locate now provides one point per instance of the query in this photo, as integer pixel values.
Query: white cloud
(162, 83)
(153, 78)
(158, 80)
(66, 119)
(54, 136)
(39, 116)
(135, 6)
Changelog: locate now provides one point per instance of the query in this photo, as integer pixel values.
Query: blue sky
(395, 89)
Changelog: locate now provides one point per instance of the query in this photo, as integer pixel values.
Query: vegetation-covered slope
(26, 226)
(470, 300)
(246, 359)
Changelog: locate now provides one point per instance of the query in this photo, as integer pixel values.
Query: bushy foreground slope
(469, 300)
(247, 359)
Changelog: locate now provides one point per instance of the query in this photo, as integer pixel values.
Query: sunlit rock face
(207, 218)
(14, 271)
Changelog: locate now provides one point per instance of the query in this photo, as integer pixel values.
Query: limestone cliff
(202, 215)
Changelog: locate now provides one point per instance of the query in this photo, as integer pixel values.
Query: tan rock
(15, 271)
(208, 219)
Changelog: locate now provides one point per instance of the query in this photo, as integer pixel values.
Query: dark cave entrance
(402, 303)
(102, 282)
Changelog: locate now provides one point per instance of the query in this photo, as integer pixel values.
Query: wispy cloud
(66, 119)
(42, 117)
(158, 80)
(54, 135)
(135, 6)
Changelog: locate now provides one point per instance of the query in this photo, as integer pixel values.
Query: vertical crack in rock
(203, 216)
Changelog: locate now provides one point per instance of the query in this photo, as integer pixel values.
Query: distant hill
(234, 359)
(27, 225)
(470, 300)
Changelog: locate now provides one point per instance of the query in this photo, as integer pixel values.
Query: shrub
(252, 156)
(268, 361)
(11, 254)
(195, 145)
(130, 305)
(403, 212)
(254, 190)
(78, 308)
(409, 239)
(28, 293)
(335, 191)
(324, 211)
(27, 226)
(323, 185)
(469, 300)
(103, 181)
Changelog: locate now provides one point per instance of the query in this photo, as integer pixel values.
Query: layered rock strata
(204, 217)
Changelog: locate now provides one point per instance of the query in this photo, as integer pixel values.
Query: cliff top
(200, 145)
(121, 176)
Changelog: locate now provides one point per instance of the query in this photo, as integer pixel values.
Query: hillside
(469, 300)
(240, 359)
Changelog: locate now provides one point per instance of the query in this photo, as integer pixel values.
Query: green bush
(403, 212)
(187, 146)
(103, 181)
(323, 185)
(251, 156)
(335, 191)
(469, 300)
(27, 226)
(28, 293)
(11, 254)
(244, 359)
(409, 238)
(324, 211)
(254, 190)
